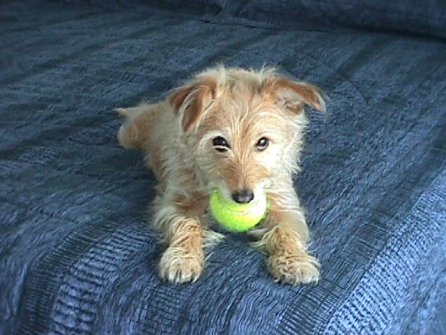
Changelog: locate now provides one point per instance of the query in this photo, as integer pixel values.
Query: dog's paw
(294, 269)
(178, 265)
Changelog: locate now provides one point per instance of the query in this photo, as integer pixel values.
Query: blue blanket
(76, 253)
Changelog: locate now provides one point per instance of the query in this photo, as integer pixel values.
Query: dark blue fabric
(421, 17)
(426, 17)
(76, 253)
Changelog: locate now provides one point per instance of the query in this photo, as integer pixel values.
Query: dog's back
(151, 128)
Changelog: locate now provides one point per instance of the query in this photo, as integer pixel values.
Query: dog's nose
(243, 196)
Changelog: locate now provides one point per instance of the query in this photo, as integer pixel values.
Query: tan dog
(237, 130)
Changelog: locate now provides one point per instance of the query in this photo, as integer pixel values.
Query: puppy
(231, 129)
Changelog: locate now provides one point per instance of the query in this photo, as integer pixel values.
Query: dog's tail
(133, 132)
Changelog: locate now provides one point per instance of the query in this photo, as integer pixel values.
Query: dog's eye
(262, 144)
(220, 144)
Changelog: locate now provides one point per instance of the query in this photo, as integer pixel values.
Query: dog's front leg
(286, 242)
(182, 227)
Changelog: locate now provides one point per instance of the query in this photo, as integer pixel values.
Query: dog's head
(244, 129)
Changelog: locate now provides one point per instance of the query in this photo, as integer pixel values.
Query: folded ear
(293, 96)
(191, 102)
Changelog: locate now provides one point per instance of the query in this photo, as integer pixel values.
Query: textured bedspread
(76, 253)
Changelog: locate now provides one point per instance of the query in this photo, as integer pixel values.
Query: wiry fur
(176, 135)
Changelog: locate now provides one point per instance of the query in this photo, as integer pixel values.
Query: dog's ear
(293, 96)
(191, 102)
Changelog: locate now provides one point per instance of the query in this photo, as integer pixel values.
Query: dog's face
(244, 129)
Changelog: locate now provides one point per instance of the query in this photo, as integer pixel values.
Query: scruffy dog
(239, 131)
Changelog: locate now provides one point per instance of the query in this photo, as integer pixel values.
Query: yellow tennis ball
(237, 217)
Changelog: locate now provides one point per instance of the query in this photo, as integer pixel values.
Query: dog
(239, 131)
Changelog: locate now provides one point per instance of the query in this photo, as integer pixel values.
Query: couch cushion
(426, 17)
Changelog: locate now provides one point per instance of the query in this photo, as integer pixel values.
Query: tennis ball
(237, 217)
